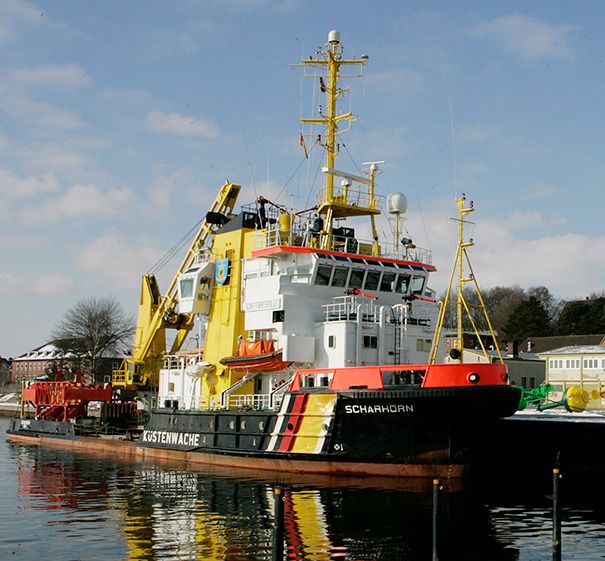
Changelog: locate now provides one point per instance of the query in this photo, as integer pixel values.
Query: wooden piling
(278, 525)
(556, 516)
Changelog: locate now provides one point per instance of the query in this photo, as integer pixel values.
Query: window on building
(419, 345)
(427, 345)
(524, 381)
(322, 277)
(567, 363)
(331, 341)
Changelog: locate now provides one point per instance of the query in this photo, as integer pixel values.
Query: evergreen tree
(529, 319)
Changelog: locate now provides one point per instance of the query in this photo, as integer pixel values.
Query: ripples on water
(59, 505)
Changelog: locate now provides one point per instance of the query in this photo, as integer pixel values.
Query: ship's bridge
(278, 228)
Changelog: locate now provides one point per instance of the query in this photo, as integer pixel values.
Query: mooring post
(278, 525)
(556, 516)
(435, 512)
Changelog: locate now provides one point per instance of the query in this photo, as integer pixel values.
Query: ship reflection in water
(70, 506)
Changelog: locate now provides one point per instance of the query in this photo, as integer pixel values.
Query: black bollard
(556, 516)
(435, 512)
(278, 526)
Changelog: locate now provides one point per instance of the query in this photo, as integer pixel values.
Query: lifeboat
(256, 356)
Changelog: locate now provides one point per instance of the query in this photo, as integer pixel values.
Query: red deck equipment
(62, 401)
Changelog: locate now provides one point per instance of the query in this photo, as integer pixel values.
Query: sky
(119, 121)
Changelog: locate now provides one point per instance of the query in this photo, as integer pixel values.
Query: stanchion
(556, 516)
(436, 488)
(278, 525)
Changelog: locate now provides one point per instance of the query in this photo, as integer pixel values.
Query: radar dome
(334, 36)
(397, 203)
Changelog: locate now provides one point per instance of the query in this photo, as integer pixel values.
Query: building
(577, 365)
(46, 359)
(542, 344)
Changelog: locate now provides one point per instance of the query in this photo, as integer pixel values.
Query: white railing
(254, 401)
(299, 236)
(347, 308)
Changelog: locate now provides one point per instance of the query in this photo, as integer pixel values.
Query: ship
(318, 351)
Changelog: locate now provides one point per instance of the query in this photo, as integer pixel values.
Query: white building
(578, 365)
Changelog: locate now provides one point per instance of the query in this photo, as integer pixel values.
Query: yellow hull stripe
(315, 424)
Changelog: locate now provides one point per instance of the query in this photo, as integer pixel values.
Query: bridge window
(402, 284)
(331, 341)
(340, 276)
(387, 283)
(322, 277)
(356, 280)
(417, 285)
(372, 279)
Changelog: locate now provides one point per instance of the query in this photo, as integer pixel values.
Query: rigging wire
(162, 261)
(426, 234)
(354, 162)
(249, 164)
(312, 188)
(295, 172)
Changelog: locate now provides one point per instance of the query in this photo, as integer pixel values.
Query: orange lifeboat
(256, 356)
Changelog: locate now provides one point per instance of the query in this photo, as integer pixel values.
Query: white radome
(397, 203)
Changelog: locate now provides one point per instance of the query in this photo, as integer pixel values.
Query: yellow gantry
(462, 305)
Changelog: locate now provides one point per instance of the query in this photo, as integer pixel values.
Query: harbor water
(63, 505)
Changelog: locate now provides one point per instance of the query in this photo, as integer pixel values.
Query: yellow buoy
(576, 398)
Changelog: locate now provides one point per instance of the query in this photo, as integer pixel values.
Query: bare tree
(91, 329)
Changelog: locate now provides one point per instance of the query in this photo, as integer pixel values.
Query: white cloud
(67, 75)
(570, 266)
(519, 220)
(184, 125)
(40, 113)
(77, 202)
(115, 257)
(527, 38)
(26, 187)
(17, 12)
(35, 284)
(541, 191)
(127, 96)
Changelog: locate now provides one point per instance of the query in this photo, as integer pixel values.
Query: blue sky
(120, 120)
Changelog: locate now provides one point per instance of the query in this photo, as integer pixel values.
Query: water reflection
(95, 508)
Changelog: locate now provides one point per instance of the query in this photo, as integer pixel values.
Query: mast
(462, 306)
(341, 201)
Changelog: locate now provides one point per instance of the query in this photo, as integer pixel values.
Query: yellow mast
(338, 203)
(462, 305)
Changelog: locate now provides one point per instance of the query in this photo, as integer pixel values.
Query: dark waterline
(61, 505)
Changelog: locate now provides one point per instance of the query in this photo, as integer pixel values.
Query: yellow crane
(157, 313)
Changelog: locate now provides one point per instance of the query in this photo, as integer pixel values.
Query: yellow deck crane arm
(157, 313)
